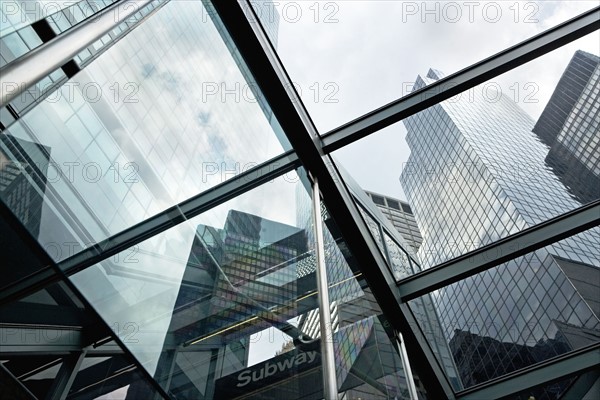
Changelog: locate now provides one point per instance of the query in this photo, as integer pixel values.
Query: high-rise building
(470, 148)
(570, 125)
(400, 215)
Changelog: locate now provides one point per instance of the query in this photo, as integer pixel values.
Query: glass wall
(199, 280)
(165, 113)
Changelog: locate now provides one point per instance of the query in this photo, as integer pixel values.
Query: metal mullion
(179, 213)
(154, 225)
(546, 372)
(494, 254)
(65, 377)
(463, 80)
(33, 66)
(330, 389)
(252, 42)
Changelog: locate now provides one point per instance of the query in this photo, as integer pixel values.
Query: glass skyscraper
(477, 174)
(569, 125)
(173, 225)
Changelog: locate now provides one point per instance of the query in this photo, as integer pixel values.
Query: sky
(350, 57)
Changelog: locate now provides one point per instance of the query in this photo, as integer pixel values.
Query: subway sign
(295, 373)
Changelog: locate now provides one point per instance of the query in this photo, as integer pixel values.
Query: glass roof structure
(295, 200)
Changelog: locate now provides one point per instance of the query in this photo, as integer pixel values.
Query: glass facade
(569, 125)
(114, 154)
(400, 214)
(158, 184)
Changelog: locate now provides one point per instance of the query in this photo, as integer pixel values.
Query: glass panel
(348, 58)
(368, 363)
(207, 305)
(499, 158)
(162, 115)
(216, 307)
(520, 313)
(17, 14)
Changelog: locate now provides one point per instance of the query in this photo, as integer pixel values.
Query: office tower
(476, 174)
(400, 214)
(570, 126)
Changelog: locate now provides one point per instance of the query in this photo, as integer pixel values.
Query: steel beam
(555, 369)
(463, 80)
(177, 214)
(28, 339)
(20, 74)
(503, 250)
(12, 387)
(66, 376)
(270, 76)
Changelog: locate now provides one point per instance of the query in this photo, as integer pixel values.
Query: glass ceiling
(187, 277)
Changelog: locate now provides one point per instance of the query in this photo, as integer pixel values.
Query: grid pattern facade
(476, 174)
(44, 29)
(569, 125)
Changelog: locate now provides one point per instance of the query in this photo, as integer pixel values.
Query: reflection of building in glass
(400, 214)
(239, 280)
(23, 170)
(147, 161)
(570, 125)
(360, 304)
(20, 161)
(118, 283)
(28, 26)
(476, 173)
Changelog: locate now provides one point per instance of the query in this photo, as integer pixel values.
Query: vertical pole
(327, 355)
(410, 381)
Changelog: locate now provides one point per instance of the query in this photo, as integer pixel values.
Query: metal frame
(311, 152)
(30, 68)
(66, 376)
(270, 76)
(162, 221)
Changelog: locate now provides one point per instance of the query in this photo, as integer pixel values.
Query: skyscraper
(470, 148)
(570, 125)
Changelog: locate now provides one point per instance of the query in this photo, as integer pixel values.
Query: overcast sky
(350, 57)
